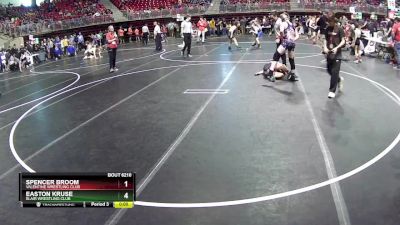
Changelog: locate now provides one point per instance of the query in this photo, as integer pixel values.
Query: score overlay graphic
(115, 189)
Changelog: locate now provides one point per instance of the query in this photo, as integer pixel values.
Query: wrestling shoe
(269, 76)
(331, 95)
(292, 76)
(259, 73)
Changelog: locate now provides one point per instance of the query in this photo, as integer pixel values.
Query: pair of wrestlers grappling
(286, 35)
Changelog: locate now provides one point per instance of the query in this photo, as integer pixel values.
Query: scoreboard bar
(117, 189)
(117, 205)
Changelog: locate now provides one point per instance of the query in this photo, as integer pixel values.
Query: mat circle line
(357, 170)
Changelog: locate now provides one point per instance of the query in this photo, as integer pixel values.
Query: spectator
(121, 35)
(396, 40)
(137, 34)
(112, 41)
(212, 26)
(130, 33)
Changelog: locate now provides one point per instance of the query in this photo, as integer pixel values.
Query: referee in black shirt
(333, 44)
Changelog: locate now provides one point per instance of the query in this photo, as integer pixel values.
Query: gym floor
(205, 130)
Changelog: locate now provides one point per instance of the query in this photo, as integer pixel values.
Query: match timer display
(116, 190)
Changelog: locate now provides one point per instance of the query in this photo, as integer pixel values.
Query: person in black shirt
(322, 23)
(333, 44)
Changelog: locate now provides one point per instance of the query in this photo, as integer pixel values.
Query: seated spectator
(13, 63)
(90, 52)
(71, 51)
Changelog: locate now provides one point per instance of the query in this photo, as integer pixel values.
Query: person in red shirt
(201, 29)
(121, 35)
(396, 40)
(130, 34)
(112, 44)
(137, 34)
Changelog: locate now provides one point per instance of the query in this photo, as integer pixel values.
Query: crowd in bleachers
(346, 2)
(138, 5)
(56, 11)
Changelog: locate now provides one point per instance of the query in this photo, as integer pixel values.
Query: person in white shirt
(145, 32)
(2, 61)
(90, 52)
(288, 35)
(257, 32)
(25, 60)
(157, 36)
(278, 39)
(358, 44)
(186, 32)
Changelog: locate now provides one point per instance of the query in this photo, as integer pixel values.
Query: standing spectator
(112, 41)
(137, 34)
(2, 61)
(50, 48)
(81, 41)
(212, 26)
(130, 34)
(157, 36)
(224, 25)
(357, 43)
(121, 35)
(219, 26)
(72, 41)
(99, 39)
(396, 40)
(145, 33)
(201, 29)
(164, 31)
(243, 22)
(171, 27)
(64, 44)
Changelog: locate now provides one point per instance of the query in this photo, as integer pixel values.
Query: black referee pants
(333, 67)
(158, 42)
(187, 38)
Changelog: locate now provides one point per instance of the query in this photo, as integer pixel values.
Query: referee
(333, 44)
(186, 32)
(157, 36)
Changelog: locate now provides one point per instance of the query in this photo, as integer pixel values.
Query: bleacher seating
(138, 5)
(57, 10)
